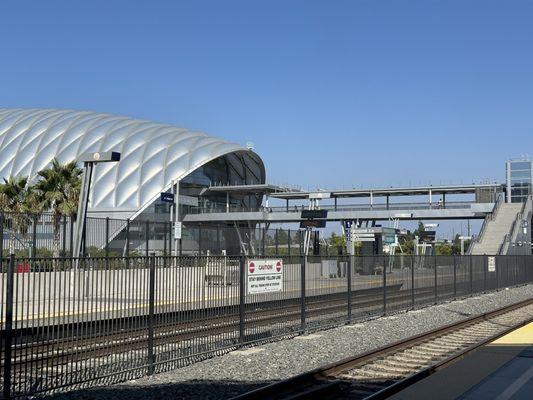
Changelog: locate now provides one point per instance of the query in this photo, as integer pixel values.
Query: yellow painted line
(522, 335)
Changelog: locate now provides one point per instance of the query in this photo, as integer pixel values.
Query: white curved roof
(152, 155)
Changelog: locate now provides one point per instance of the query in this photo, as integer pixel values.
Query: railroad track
(62, 348)
(380, 373)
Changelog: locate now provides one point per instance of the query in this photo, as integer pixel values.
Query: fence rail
(43, 235)
(71, 323)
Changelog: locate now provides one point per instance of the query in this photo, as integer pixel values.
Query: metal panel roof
(152, 154)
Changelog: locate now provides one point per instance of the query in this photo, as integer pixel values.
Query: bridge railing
(222, 208)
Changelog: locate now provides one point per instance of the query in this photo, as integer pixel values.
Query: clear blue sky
(332, 93)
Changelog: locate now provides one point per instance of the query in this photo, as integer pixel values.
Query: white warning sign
(492, 264)
(265, 276)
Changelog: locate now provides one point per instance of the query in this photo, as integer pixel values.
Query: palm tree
(16, 199)
(58, 190)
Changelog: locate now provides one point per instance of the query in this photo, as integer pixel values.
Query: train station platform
(501, 370)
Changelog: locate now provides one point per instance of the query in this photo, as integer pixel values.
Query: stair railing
(490, 217)
(526, 208)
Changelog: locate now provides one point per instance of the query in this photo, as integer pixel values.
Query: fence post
(170, 233)
(1, 234)
(349, 289)
(242, 298)
(127, 237)
(435, 277)
(498, 265)
(303, 263)
(507, 275)
(485, 266)
(412, 281)
(107, 244)
(151, 306)
(165, 243)
(471, 277)
(8, 331)
(71, 234)
(199, 241)
(34, 236)
(276, 242)
(107, 237)
(147, 237)
(515, 277)
(289, 241)
(216, 249)
(454, 277)
(384, 287)
(263, 241)
(64, 241)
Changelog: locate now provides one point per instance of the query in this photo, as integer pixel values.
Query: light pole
(89, 160)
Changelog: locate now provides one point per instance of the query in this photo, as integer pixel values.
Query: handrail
(515, 228)
(499, 201)
(490, 217)
(222, 208)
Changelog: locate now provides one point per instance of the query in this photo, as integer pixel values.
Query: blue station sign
(167, 197)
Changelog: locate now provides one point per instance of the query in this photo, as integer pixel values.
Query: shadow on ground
(154, 390)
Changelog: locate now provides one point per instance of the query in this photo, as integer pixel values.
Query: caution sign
(264, 276)
(492, 264)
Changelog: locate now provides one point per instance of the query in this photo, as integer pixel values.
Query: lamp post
(89, 160)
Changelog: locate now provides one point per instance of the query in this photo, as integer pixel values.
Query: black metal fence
(72, 323)
(46, 235)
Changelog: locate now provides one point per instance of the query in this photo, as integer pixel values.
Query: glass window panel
(520, 165)
(521, 183)
(521, 174)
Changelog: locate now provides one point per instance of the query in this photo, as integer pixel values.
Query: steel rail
(326, 380)
(107, 343)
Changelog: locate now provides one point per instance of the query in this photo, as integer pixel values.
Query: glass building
(519, 174)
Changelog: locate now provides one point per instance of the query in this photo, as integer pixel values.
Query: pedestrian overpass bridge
(432, 203)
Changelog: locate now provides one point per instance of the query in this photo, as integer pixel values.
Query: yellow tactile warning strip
(521, 336)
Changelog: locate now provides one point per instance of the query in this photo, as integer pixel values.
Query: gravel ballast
(239, 371)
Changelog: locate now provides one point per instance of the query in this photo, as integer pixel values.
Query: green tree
(58, 190)
(444, 249)
(418, 231)
(337, 241)
(407, 244)
(16, 199)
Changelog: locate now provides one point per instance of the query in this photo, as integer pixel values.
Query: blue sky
(332, 93)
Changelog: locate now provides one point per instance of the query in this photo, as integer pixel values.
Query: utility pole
(89, 160)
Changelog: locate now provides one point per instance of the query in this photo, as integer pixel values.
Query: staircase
(496, 229)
